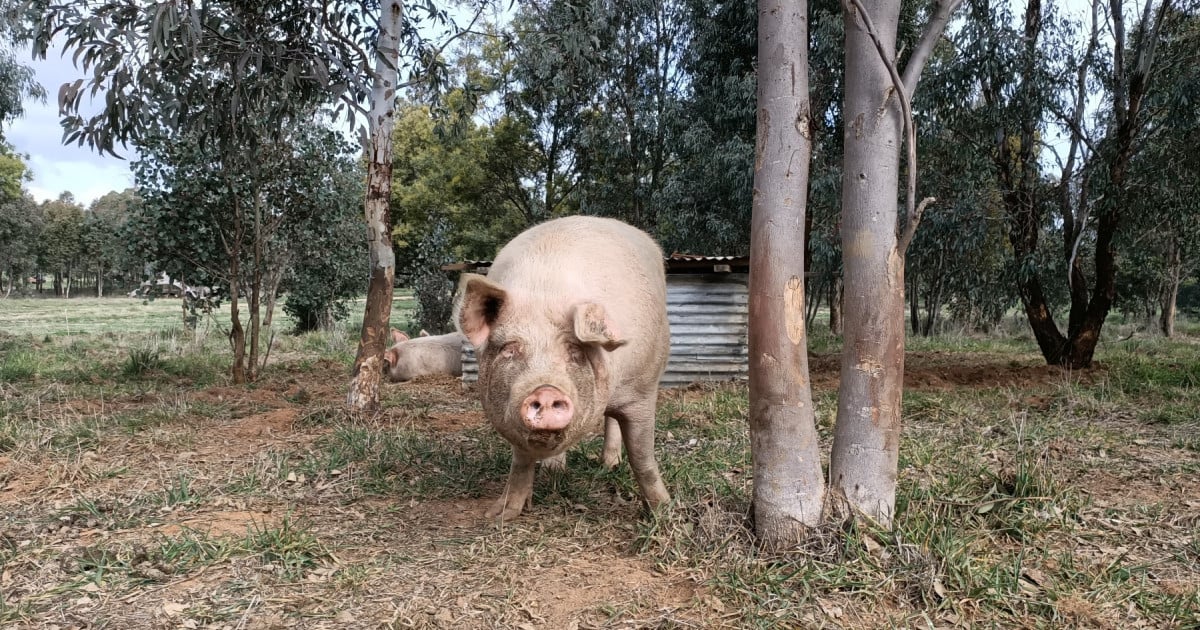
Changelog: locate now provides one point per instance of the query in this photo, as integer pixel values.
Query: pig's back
(566, 261)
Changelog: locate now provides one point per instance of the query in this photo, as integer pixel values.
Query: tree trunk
(237, 335)
(100, 282)
(814, 294)
(256, 283)
(1170, 292)
(789, 487)
(276, 262)
(363, 394)
(866, 441)
(835, 306)
(914, 306)
(867, 436)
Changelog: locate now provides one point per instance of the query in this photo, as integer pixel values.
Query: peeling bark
(363, 393)
(789, 486)
(863, 464)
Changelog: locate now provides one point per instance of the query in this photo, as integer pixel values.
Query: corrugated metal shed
(707, 308)
(707, 313)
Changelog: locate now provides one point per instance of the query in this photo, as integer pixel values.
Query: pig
(401, 355)
(410, 358)
(570, 326)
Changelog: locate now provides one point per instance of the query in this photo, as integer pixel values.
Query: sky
(83, 172)
(80, 170)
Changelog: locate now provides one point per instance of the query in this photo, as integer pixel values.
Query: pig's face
(543, 372)
(392, 359)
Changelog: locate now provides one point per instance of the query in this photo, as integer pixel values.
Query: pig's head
(543, 368)
(392, 359)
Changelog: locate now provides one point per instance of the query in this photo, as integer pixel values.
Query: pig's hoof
(558, 462)
(502, 510)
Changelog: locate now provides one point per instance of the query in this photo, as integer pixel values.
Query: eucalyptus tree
(706, 196)
(624, 150)
(250, 229)
(104, 245)
(236, 73)
(61, 242)
(1162, 242)
(547, 78)
(789, 487)
(877, 123)
(16, 79)
(1031, 77)
(20, 222)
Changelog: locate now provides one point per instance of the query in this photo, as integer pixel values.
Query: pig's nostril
(560, 405)
(535, 405)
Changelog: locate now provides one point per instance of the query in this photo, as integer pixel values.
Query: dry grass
(160, 496)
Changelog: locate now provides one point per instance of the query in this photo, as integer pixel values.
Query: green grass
(141, 361)
(87, 316)
(19, 366)
(289, 547)
(1034, 504)
(405, 461)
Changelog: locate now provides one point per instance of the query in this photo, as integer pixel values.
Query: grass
(138, 487)
(89, 316)
(18, 366)
(406, 462)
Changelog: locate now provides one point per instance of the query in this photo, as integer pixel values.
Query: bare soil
(399, 562)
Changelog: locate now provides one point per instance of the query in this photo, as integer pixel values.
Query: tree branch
(912, 214)
(929, 39)
(910, 228)
(438, 53)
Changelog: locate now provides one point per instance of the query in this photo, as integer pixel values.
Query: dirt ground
(90, 542)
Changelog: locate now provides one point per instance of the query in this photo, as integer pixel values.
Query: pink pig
(570, 326)
(425, 355)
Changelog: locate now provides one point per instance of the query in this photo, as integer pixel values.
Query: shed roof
(675, 263)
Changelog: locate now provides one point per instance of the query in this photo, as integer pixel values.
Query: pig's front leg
(558, 462)
(612, 443)
(637, 427)
(518, 492)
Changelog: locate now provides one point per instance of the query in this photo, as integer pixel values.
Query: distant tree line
(1058, 145)
(644, 111)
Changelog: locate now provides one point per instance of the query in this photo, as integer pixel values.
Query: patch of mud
(271, 424)
(233, 394)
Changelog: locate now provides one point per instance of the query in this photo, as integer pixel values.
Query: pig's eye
(576, 354)
(510, 350)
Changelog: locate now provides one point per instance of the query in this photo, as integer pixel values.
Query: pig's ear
(390, 358)
(478, 307)
(593, 326)
(423, 333)
(398, 336)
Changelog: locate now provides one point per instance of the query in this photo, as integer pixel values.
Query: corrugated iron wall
(707, 313)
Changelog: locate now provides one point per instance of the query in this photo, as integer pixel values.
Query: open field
(85, 315)
(138, 489)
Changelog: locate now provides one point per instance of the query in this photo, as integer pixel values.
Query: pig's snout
(547, 409)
